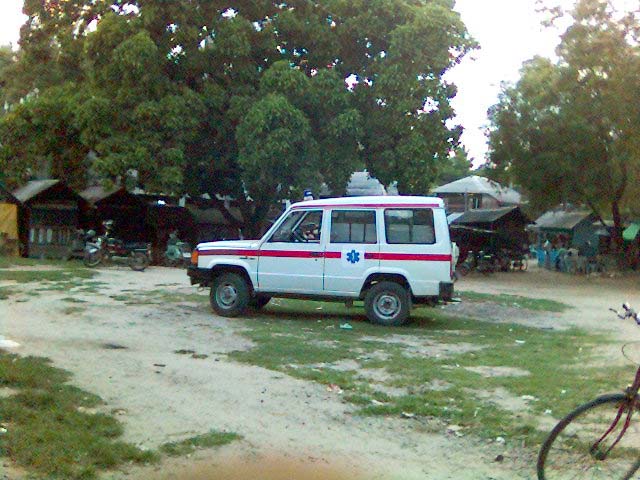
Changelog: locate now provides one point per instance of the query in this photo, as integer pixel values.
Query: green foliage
(441, 368)
(206, 440)
(167, 90)
(51, 428)
(568, 131)
(454, 167)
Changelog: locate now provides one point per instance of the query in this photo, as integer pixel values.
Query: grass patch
(66, 275)
(6, 292)
(73, 310)
(73, 300)
(537, 304)
(206, 440)
(388, 371)
(10, 262)
(158, 297)
(51, 428)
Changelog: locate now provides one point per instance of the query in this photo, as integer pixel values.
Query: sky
(509, 33)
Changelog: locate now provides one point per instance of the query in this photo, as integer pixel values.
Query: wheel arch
(378, 277)
(219, 269)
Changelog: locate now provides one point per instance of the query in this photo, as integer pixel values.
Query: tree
(198, 96)
(568, 131)
(40, 136)
(454, 167)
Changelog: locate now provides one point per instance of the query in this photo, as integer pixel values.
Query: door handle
(316, 254)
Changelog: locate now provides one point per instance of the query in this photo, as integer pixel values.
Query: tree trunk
(616, 234)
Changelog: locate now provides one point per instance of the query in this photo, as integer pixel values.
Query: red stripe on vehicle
(262, 253)
(371, 205)
(289, 253)
(423, 257)
(229, 251)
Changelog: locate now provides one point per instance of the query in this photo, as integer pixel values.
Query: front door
(292, 259)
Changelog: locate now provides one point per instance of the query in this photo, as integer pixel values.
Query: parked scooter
(178, 253)
(107, 249)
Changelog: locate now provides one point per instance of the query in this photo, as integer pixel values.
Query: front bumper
(199, 276)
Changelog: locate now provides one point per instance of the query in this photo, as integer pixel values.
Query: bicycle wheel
(569, 453)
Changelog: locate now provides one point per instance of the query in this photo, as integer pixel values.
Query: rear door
(351, 250)
(416, 242)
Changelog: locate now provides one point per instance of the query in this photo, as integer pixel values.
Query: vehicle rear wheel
(259, 301)
(388, 303)
(229, 295)
(138, 261)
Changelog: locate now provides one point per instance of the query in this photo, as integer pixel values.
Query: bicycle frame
(631, 393)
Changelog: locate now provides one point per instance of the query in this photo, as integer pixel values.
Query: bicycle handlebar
(628, 312)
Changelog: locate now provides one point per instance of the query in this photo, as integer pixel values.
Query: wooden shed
(490, 230)
(12, 235)
(128, 212)
(51, 215)
(569, 229)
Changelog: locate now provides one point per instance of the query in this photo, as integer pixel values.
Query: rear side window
(409, 226)
(353, 226)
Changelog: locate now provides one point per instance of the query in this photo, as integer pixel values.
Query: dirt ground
(290, 428)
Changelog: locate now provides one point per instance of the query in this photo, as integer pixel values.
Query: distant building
(569, 229)
(490, 230)
(52, 214)
(475, 192)
(11, 234)
(360, 184)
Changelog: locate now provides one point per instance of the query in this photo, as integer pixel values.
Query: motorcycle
(178, 253)
(105, 249)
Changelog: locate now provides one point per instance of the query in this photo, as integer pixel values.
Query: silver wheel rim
(387, 306)
(226, 295)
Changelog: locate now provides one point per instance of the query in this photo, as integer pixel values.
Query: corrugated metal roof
(33, 188)
(561, 219)
(485, 215)
(97, 193)
(477, 184)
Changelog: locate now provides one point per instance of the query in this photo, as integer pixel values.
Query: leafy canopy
(246, 98)
(569, 131)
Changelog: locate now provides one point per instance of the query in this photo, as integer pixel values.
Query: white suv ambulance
(390, 251)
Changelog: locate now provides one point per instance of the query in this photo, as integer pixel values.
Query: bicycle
(597, 439)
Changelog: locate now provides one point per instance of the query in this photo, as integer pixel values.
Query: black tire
(229, 296)
(259, 302)
(92, 259)
(388, 303)
(568, 450)
(138, 261)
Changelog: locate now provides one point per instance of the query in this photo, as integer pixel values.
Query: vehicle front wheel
(229, 295)
(388, 303)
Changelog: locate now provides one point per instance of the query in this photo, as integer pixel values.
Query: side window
(300, 227)
(409, 226)
(353, 226)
